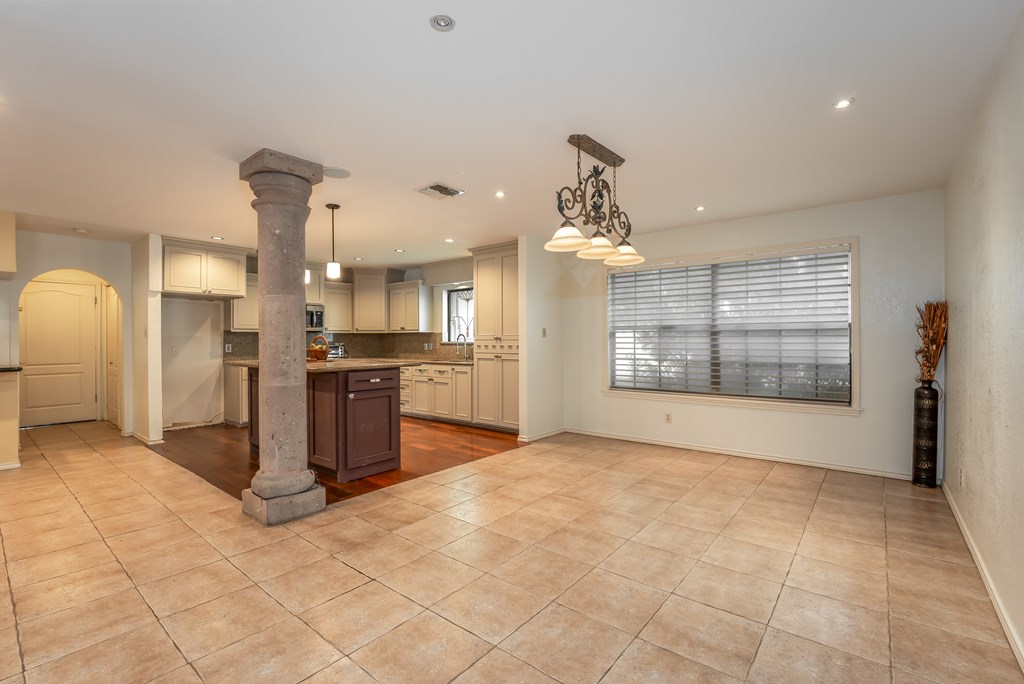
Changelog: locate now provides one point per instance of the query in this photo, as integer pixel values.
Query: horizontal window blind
(774, 327)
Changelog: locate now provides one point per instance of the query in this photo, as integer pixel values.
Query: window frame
(750, 254)
(446, 312)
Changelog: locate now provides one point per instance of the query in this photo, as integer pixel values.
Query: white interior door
(59, 353)
(113, 315)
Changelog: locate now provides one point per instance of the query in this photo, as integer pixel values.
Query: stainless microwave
(314, 317)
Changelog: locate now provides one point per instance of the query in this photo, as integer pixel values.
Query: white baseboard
(1016, 644)
(10, 466)
(746, 454)
(523, 439)
(147, 442)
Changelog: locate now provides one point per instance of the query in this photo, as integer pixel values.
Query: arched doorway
(70, 338)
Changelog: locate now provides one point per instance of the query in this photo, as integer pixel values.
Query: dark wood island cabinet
(353, 421)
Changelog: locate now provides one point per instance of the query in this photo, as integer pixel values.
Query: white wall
(901, 261)
(144, 320)
(985, 374)
(38, 253)
(541, 336)
(192, 362)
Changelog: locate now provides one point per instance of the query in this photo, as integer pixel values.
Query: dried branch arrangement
(931, 327)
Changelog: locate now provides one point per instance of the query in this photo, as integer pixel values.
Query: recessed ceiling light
(699, 208)
(499, 194)
(442, 23)
(336, 172)
(399, 250)
(83, 231)
(845, 103)
(216, 237)
(357, 258)
(449, 240)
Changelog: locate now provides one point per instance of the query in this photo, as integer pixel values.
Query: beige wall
(192, 362)
(984, 370)
(900, 265)
(145, 324)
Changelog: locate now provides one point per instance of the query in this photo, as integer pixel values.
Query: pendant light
(595, 201)
(333, 267)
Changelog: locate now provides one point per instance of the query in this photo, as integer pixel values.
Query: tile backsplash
(245, 345)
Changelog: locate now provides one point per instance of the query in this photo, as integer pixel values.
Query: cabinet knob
(351, 396)
(430, 379)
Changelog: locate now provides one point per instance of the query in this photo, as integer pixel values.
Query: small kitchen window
(458, 313)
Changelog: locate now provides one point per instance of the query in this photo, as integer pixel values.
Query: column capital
(270, 161)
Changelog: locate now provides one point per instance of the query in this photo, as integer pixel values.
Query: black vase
(926, 434)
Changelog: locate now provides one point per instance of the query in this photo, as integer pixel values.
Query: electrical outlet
(175, 351)
(961, 478)
(227, 348)
(425, 347)
(668, 417)
(543, 332)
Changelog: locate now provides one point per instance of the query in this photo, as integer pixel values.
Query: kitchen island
(352, 410)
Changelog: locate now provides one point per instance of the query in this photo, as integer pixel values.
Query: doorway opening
(70, 329)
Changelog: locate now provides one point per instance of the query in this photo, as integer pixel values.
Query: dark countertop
(10, 369)
(349, 363)
(333, 365)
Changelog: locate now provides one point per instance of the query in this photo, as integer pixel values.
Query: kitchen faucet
(465, 345)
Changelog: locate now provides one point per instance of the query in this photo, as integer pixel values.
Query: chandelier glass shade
(593, 202)
(333, 267)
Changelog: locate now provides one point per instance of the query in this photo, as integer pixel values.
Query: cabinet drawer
(405, 371)
(372, 380)
(441, 372)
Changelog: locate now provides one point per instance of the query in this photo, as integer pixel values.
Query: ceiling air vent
(440, 191)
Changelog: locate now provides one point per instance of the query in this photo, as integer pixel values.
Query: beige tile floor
(576, 560)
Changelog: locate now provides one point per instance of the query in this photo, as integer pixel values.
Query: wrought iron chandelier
(594, 201)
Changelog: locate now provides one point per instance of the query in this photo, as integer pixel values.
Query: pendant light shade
(600, 248)
(567, 238)
(627, 256)
(333, 267)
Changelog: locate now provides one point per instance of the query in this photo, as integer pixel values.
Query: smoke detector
(441, 191)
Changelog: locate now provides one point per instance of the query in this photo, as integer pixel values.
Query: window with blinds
(769, 328)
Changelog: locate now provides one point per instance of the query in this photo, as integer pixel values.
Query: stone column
(284, 488)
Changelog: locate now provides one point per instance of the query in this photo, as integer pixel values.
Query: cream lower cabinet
(496, 390)
(405, 389)
(236, 395)
(438, 391)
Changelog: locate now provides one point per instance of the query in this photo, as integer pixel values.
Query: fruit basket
(317, 352)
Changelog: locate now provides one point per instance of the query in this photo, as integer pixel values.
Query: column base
(281, 509)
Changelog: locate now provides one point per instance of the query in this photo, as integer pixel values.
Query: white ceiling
(131, 116)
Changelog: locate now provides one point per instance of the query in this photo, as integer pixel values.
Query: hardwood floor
(220, 455)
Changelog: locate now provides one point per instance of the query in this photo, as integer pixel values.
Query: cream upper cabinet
(315, 286)
(338, 307)
(370, 298)
(409, 307)
(496, 285)
(192, 269)
(244, 312)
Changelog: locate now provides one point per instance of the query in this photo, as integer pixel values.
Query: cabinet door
(245, 311)
(486, 291)
(462, 390)
(442, 397)
(245, 394)
(422, 395)
(225, 273)
(411, 320)
(509, 391)
(372, 427)
(485, 393)
(232, 396)
(509, 328)
(338, 309)
(184, 270)
(315, 287)
(396, 310)
(370, 303)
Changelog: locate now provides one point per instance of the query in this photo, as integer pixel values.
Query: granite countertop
(346, 364)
